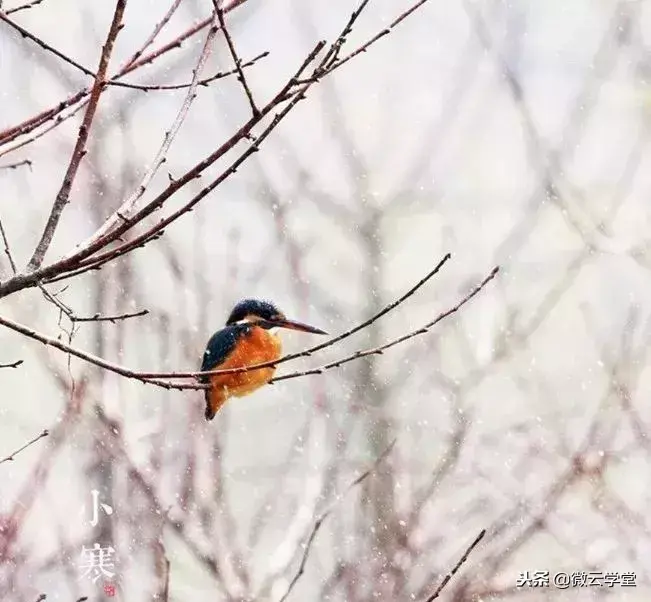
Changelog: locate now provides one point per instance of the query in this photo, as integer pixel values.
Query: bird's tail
(215, 398)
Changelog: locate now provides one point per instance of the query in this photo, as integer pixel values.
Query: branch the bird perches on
(108, 242)
(160, 378)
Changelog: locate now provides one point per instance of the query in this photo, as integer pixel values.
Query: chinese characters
(563, 580)
(99, 560)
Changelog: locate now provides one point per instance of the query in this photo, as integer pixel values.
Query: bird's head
(265, 315)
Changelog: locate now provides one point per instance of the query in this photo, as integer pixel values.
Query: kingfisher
(247, 339)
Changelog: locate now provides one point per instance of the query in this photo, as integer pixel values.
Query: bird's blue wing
(220, 345)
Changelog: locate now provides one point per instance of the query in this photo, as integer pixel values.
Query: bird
(247, 339)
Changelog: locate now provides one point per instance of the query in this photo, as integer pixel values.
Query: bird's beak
(292, 325)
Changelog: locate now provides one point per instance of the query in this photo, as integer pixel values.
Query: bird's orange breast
(255, 347)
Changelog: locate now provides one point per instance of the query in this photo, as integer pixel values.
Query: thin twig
(319, 521)
(100, 262)
(80, 146)
(26, 6)
(3, 234)
(74, 318)
(202, 82)
(453, 572)
(155, 33)
(30, 124)
(89, 357)
(379, 350)
(57, 121)
(26, 162)
(364, 47)
(9, 135)
(54, 299)
(176, 42)
(333, 53)
(236, 59)
(12, 456)
(112, 319)
(12, 364)
(30, 36)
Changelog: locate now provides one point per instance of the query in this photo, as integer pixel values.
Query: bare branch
(5, 242)
(319, 521)
(132, 65)
(292, 91)
(12, 456)
(379, 350)
(12, 365)
(202, 82)
(154, 379)
(90, 358)
(112, 319)
(135, 62)
(26, 162)
(80, 146)
(122, 214)
(99, 263)
(124, 221)
(333, 53)
(155, 33)
(236, 59)
(25, 6)
(74, 318)
(173, 44)
(57, 119)
(457, 566)
(335, 64)
(30, 36)
(40, 119)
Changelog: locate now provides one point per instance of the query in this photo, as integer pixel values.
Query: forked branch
(153, 378)
(80, 146)
(92, 253)
(13, 455)
(12, 364)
